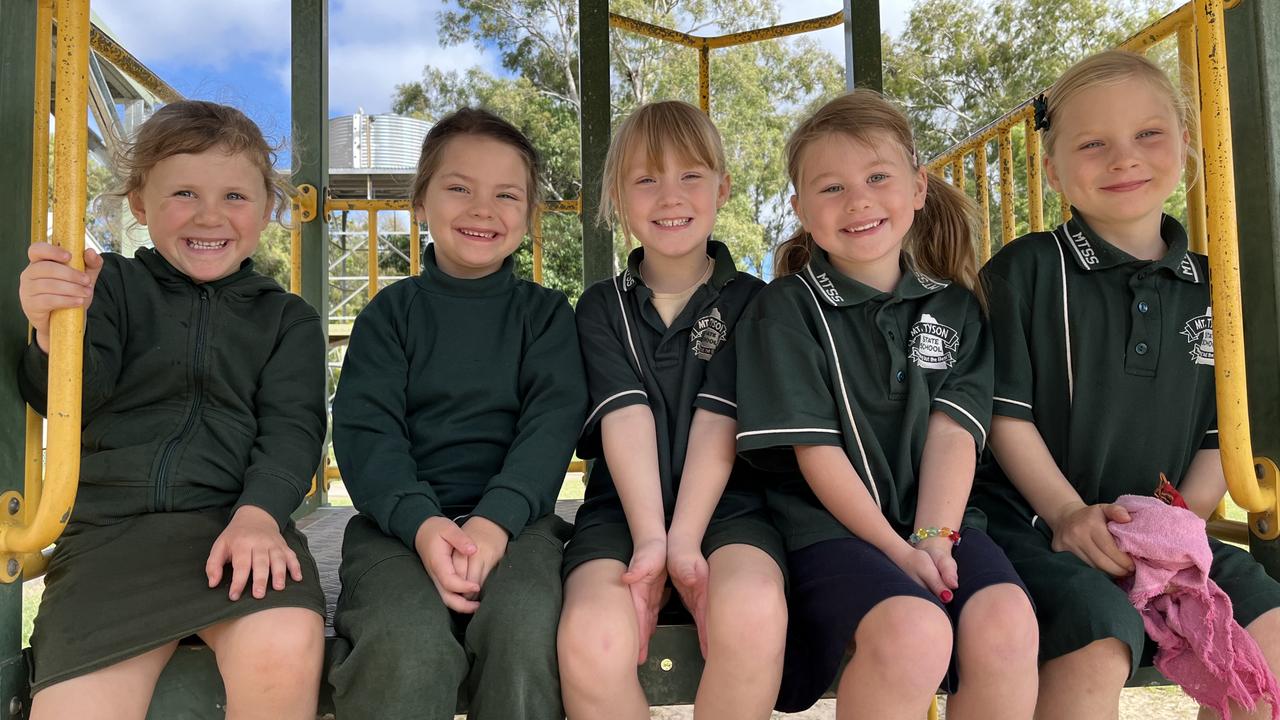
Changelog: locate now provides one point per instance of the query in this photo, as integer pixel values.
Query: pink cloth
(1202, 647)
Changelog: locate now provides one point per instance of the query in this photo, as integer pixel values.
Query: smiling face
(205, 211)
(858, 200)
(476, 205)
(671, 210)
(1119, 166)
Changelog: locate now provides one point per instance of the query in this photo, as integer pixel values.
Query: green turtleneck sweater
(459, 397)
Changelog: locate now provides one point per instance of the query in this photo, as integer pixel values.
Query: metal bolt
(14, 506)
(15, 706)
(13, 567)
(666, 664)
(1263, 527)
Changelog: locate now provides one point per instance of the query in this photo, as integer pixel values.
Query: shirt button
(901, 376)
(1140, 348)
(1143, 306)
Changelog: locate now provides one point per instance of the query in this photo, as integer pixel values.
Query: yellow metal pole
(1064, 206)
(704, 78)
(1190, 77)
(295, 248)
(373, 253)
(1243, 476)
(415, 245)
(67, 326)
(957, 172)
(1007, 230)
(537, 249)
(1035, 187)
(983, 188)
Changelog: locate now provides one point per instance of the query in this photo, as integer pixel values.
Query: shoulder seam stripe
(969, 415)
(1066, 320)
(844, 392)
(1211, 432)
(622, 308)
(717, 398)
(1012, 402)
(787, 430)
(610, 399)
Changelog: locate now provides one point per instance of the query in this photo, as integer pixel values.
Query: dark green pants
(407, 656)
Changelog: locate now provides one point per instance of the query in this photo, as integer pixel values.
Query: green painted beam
(17, 87)
(593, 74)
(862, 61)
(1253, 61)
(309, 24)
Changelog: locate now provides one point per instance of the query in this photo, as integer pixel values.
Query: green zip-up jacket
(459, 397)
(195, 395)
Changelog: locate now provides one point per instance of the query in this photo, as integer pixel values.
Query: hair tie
(1041, 106)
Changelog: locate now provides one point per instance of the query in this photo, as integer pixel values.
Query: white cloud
(893, 18)
(204, 34)
(365, 74)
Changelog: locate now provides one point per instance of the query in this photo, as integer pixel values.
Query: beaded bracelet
(922, 534)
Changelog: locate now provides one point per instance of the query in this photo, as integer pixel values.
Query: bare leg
(998, 643)
(117, 692)
(901, 652)
(598, 645)
(1085, 683)
(270, 663)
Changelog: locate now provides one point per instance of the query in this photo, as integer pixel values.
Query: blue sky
(237, 51)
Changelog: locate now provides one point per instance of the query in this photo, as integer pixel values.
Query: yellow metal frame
(30, 524)
(1198, 27)
(129, 65)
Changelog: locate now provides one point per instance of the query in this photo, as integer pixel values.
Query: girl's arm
(707, 465)
(946, 473)
(630, 441)
(1204, 485)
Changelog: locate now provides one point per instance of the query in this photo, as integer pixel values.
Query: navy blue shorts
(835, 583)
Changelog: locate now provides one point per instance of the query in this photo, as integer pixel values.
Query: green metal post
(1253, 55)
(593, 74)
(310, 110)
(862, 62)
(17, 87)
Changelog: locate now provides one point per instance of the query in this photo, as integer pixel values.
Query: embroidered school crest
(933, 345)
(709, 331)
(828, 288)
(1199, 332)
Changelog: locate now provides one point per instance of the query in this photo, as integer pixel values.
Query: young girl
(666, 496)
(1104, 367)
(867, 363)
(461, 396)
(203, 423)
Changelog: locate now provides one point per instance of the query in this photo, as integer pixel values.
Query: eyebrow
(469, 179)
(1145, 122)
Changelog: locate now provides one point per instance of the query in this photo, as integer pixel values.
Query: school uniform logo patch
(828, 288)
(1199, 332)
(709, 331)
(628, 280)
(927, 282)
(933, 345)
(1083, 248)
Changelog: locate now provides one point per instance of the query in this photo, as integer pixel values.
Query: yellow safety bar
(32, 529)
(129, 65)
(1211, 212)
(704, 45)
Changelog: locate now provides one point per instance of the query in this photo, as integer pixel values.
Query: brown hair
(653, 129)
(480, 123)
(194, 126)
(1116, 66)
(941, 239)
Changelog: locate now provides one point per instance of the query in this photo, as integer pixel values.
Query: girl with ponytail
(867, 367)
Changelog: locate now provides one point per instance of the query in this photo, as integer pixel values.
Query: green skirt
(116, 591)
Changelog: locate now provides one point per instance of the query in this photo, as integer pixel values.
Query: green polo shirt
(826, 360)
(633, 358)
(1111, 357)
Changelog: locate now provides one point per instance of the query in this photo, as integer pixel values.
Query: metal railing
(1211, 211)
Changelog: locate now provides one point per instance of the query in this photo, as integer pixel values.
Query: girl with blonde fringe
(666, 496)
(867, 366)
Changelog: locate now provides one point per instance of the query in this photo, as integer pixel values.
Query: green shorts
(612, 540)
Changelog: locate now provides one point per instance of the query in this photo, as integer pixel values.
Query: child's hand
(491, 545)
(253, 545)
(921, 567)
(646, 577)
(1083, 532)
(939, 550)
(437, 540)
(690, 574)
(49, 283)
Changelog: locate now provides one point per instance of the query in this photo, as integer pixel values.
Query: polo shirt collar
(1091, 252)
(840, 290)
(723, 268)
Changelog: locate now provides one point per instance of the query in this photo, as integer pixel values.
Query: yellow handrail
(53, 507)
(1211, 213)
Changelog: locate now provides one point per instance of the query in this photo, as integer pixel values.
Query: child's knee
(292, 648)
(907, 637)
(594, 641)
(998, 627)
(752, 600)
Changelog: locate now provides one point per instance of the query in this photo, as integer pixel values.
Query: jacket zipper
(162, 480)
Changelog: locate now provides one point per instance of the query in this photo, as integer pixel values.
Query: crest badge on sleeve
(708, 333)
(933, 345)
(1199, 333)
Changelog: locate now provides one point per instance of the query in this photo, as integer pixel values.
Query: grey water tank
(389, 142)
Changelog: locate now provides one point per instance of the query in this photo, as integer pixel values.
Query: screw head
(14, 506)
(13, 566)
(15, 706)
(1263, 527)
(666, 664)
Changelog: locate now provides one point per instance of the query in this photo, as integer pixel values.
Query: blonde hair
(941, 239)
(651, 130)
(192, 127)
(1111, 67)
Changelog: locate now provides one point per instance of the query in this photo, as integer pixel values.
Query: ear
(137, 208)
(419, 212)
(921, 183)
(1051, 174)
(795, 207)
(722, 194)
